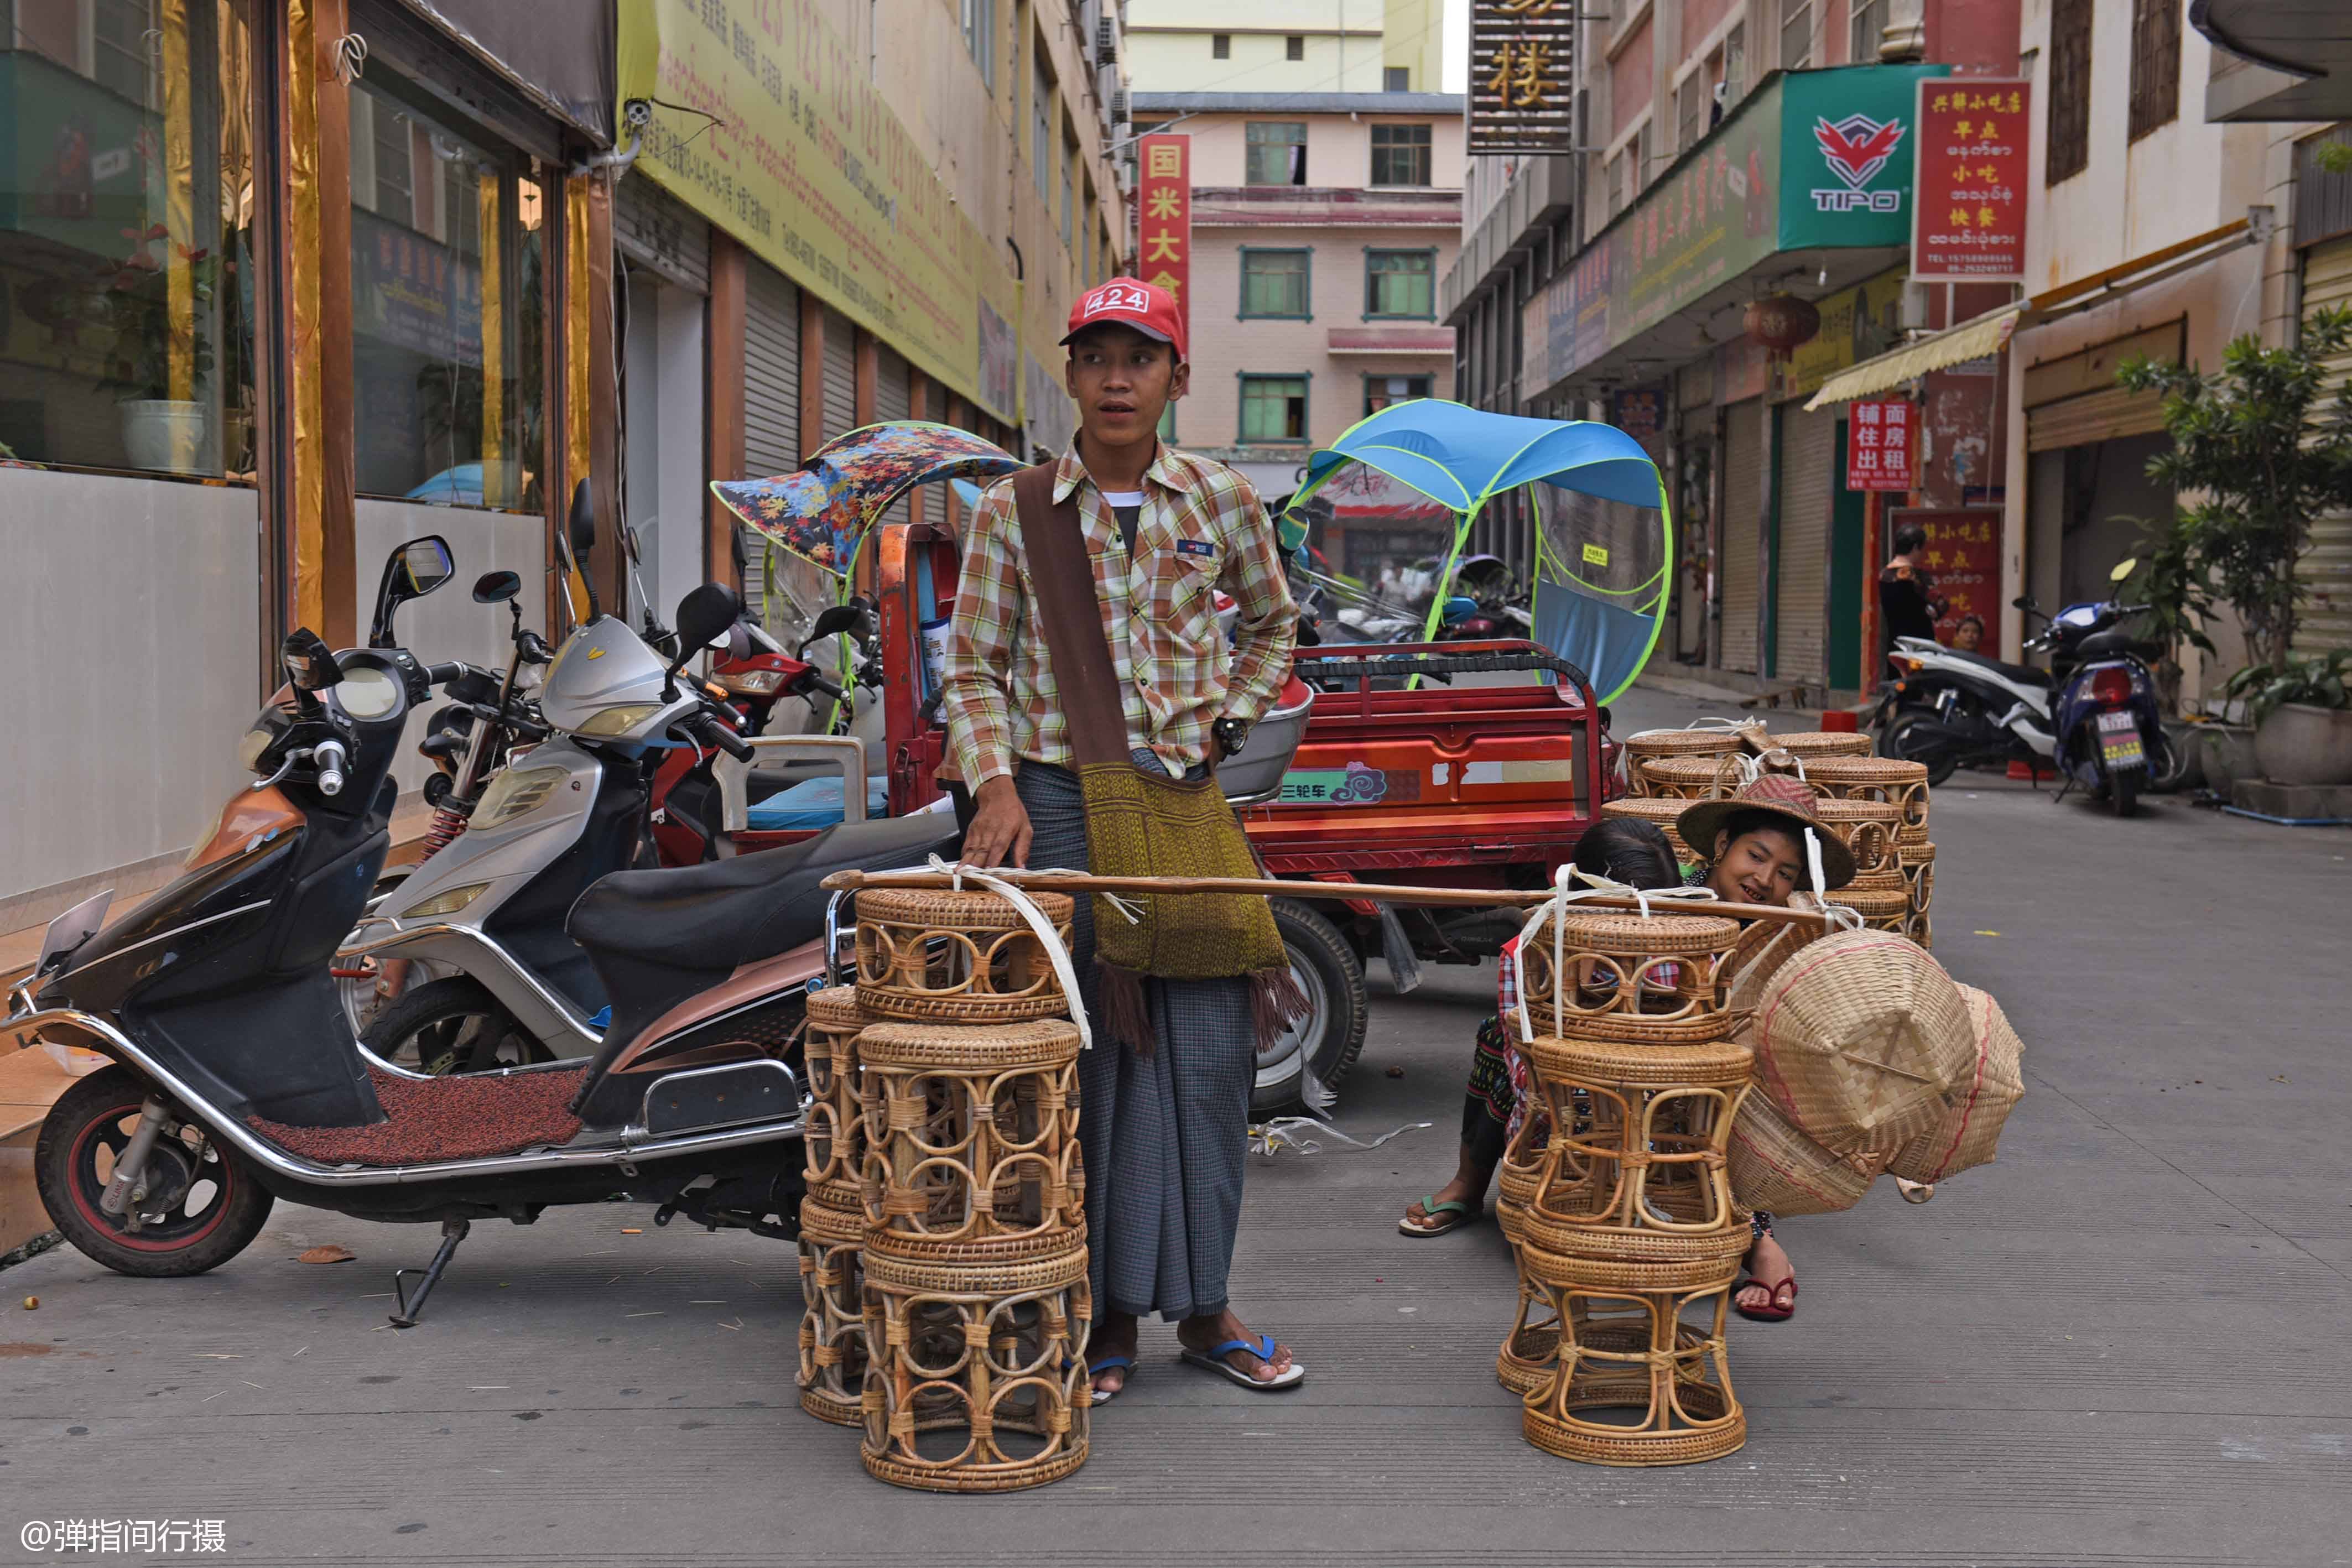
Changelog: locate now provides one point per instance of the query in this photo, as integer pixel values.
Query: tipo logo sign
(1855, 148)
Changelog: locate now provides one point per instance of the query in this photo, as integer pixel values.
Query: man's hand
(999, 834)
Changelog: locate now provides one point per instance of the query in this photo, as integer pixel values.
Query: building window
(1735, 66)
(979, 38)
(1613, 175)
(1690, 110)
(1796, 34)
(126, 246)
(448, 334)
(1401, 283)
(1220, 45)
(1041, 126)
(1275, 283)
(1294, 48)
(1273, 408)
(2156, 65)
(1396, 78)
(1278, 153)
(1069, 196)
(2070, 89)
(1381, 390)
(1400, 155)
(1864, 29)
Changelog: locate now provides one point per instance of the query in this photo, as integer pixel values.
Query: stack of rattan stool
(833, 1214)
(974, 1255)
(1903, 785)
(1631, 1243)
(1658, 745)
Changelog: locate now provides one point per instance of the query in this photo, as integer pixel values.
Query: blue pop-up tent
(1606, 544)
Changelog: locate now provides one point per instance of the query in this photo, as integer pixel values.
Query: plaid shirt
(1202, 528)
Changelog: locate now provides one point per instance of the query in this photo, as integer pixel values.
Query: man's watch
(1231, 735)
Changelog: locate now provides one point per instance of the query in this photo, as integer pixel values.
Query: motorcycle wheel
(452, 1026)
(1900, 741)
(1332, 1036)
(2123, 791)
(203, 1206)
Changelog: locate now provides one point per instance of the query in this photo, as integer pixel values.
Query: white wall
(447, 624)
(127, 637)
(664, 434)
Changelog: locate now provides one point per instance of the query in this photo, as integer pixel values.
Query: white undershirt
(1123, 497)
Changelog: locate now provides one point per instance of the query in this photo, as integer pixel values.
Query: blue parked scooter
(2110, 739)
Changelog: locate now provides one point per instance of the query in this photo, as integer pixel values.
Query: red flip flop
(1771, 1311)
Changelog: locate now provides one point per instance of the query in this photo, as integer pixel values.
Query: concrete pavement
(2121, 1345)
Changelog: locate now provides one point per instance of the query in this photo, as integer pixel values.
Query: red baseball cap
(1131, 302)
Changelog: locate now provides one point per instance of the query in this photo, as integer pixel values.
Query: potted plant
(2302, 731)
(159, 430)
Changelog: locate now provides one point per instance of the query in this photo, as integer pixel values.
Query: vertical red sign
(1963, 564)
(1968, 215)
(1878, 445)
(1163, 244)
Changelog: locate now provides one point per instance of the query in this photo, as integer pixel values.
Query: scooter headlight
(752, 682)
(448, 902)
(619, 720)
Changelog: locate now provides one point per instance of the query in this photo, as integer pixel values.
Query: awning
(1987, 334)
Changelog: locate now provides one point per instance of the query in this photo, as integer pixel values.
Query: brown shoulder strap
(1069, 617)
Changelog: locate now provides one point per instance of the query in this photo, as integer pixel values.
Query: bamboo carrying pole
(1377, 893)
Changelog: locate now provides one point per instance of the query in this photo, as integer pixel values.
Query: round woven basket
(1867, 828)
(1859, 1039)
(1656, 809)
(1964, 1135)
(1669, 1375)
(938, 956)
(1655, 745)
(1777, 1169)
(1694, 778)
(1902, 785)
(1659, 980)
(971, 1136)
(1882, 908)
(833, 1323)
(1809, 744)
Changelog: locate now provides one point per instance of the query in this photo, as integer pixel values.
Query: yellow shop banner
(763, 121)
(1857, 324)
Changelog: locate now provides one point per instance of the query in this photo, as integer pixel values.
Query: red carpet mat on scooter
(435, 1119)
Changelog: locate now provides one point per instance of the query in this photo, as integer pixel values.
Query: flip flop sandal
(1110, 1364)
(1464, 1214)
(1215, 1361)
(1771, 1311)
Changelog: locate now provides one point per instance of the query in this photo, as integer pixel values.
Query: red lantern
(1781, 321)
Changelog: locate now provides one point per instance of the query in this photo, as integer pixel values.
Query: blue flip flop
(1215, 1361)
(1110, 1364)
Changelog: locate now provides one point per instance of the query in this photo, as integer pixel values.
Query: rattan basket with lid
(938, 956)
(1660, 979)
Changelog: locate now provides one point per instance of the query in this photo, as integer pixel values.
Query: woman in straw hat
(1760, 845)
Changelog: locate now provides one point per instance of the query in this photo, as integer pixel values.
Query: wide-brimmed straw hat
(1779, 795)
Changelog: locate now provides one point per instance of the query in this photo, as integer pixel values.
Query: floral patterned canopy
(823, 511)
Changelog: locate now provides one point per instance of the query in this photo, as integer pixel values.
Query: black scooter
(237, 1080)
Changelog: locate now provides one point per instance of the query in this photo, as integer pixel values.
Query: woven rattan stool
(1654, 745)
(971, 1137)
(1637, 1143)
(943, 957)
(1660, 979)
(1657, 1357)
(978, 1377)
(834, 1145)
(1867, 828)
(1902, 785)
(833, 1322)
(1656, 809)
(1694, 778)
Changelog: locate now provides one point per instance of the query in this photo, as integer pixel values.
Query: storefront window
(448, 325)
(126, 211)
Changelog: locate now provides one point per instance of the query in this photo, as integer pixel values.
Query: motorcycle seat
(725, 914)
(2023, 674)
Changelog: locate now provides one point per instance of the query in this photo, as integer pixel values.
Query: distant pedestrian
(1968, 635)
(1907, 606)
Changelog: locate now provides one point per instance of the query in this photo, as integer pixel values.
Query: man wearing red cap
(1163, 1131)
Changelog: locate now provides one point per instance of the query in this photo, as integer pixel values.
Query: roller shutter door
(772, 398)
(656, 230)
(1743, 497)
(2094, 416)
(1801, 564)
(840, 374)
(2326, 569)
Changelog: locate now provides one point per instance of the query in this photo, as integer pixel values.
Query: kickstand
(452, 1232)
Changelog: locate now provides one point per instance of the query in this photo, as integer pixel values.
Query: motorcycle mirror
(703, 616)
(636, 552)
(410, 571)
(497, 587)
(309, 662)
(2021, 602)
(839, 619)
(2124, 569)
(580, 528)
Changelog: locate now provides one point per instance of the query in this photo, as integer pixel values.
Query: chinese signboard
(1522, 76)
(1963, 563)
(1878, 445)
(1640, 412)
(784, 143)
(1163, 205)
(1968, 226)
(1812, 159)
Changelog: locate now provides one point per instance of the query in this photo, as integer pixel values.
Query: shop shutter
(840, 374)
(2094, 416)
(2326, 569)
(772, 397)
(894, 398)
(653, 229)
(1737, 550)
(1801, 565)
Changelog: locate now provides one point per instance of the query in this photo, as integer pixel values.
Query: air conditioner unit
(1121, 112)
(1107, 40)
